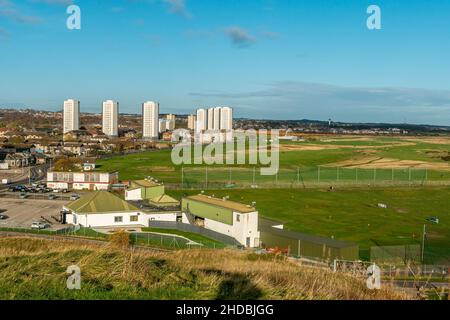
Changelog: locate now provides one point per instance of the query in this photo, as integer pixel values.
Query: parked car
(51, 196)
(39, 225)
(74, 197)
(3, 216)
(23, 195)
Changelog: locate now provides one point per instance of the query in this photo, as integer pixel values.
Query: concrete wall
(207, 211)
(105, 219)
(133, 195)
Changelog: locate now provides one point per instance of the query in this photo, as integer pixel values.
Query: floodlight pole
(423, 241)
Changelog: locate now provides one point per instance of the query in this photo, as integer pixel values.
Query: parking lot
(23, 212)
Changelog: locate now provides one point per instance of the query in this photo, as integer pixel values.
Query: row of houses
(14, 160)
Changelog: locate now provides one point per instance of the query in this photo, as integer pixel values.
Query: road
(37, 173)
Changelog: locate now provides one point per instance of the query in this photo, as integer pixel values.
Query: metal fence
(304, 177)
(172, 225)
(396, 254)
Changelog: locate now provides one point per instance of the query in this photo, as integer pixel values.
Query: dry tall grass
(32, 268)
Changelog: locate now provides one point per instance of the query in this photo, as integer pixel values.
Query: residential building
(216, 119)
(210, 124)
(71, 115)
(226, 118)
(191, 122)
(110, 117)
(18, 160)
(162, 125)
(202, 120)
(150, 115)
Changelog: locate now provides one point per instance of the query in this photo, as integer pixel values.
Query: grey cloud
(293, 99)
(240, 37)
(9, 10)
(178, 7)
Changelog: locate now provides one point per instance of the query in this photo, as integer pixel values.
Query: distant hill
(36, 269)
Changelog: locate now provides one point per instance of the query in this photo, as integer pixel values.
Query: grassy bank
(36, 269)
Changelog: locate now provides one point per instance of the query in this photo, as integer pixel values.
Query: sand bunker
(318, 147)
(388, 163)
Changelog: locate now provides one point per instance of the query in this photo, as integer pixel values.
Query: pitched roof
(235, 206)
(164, 198)
(100, 202)
(146, 183)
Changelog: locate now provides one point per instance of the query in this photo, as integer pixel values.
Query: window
(238, 218)
(134, 218)
(118, 219)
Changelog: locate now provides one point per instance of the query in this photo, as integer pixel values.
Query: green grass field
(350, 214)
(325, 152)
(353, 215)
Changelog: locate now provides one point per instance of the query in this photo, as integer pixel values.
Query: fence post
(318, 174)
(253, 176)
(182, 177)
(374, 175)
(337, 173)
(356, 174)
(298, 175)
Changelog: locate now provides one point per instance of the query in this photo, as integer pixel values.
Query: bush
(119, 239)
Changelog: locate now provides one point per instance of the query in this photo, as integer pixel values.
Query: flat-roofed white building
(191, 122)
(71, 115)
(110, 116)
(210, 124)
(226, 118)
(202, 120)
(82, 180)
(230, 218)
(217, 112)
(150, 120)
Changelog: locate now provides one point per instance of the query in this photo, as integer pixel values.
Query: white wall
(133, 195)
(105, 219)
(171, 217)
(247, 226)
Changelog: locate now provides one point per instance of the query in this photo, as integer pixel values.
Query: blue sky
(280, 59)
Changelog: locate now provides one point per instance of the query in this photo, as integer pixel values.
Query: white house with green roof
(103, 209)
(230, 218)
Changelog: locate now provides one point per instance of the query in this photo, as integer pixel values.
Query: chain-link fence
(396, 254)
(303, 177)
